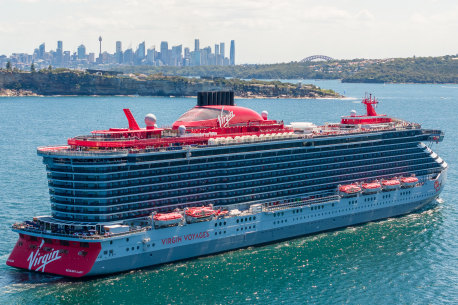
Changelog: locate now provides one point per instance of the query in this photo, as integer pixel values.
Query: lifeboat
(390, 185)
(370, 188)
(409, 181)
(349, 190)
(167, 219)
(198, 214)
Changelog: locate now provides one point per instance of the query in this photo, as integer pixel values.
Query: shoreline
(28, 93)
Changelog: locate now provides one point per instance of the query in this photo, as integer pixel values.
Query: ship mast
(369, 108)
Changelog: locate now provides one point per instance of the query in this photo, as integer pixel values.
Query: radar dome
(182, 129)
(150, 120)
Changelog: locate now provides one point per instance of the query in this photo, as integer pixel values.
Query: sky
(264, 31)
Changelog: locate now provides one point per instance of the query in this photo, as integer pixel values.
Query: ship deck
(190, 141)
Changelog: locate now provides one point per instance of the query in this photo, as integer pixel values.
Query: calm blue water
(408, 260)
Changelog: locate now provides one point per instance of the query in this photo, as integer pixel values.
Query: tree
(32, 67)
(8, 65)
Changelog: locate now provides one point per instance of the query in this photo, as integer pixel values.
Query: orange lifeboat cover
(391, 182)
(167, 216)
(200, 212)
(349, 188)
(370, 186)
(409, 180)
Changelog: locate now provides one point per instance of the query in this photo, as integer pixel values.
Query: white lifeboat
(349, 190)
(389, 185)
(167, 219)
(197, 214)
(369, 188)
(409, 181)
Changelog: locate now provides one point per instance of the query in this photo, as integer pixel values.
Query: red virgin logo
(38, 261)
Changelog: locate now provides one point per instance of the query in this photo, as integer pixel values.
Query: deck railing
(186, 142)
(31, 229)
(299, 203)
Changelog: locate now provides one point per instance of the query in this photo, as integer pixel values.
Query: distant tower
(58, 59)
(100, 43)
(165, 52)
(82, 52)
(232, 53)
(42, 50)
(222, 49)
(118, 52)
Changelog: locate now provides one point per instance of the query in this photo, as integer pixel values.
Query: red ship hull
(61, 257)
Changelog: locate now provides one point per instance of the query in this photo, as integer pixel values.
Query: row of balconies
(144, 209)
(208, 184)
(147, 180)
(184, 198)
(205, 173)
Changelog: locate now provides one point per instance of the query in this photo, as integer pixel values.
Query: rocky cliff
(68, 82)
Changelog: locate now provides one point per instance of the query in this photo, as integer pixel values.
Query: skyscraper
(177, 56)
(140, 53)
(128, 57)
(217, 55)
(59, 57)
(165, 52)
(151, 55)
(41, 51)
(119, 52)
(82, 52)
(222, 49)
(196, 45)
(232, 53)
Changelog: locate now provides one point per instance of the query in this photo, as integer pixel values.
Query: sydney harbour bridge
(315, 57)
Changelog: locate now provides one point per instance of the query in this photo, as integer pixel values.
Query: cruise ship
(222, 177)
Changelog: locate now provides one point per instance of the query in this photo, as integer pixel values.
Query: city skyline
(284, 31)
(43, 57)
